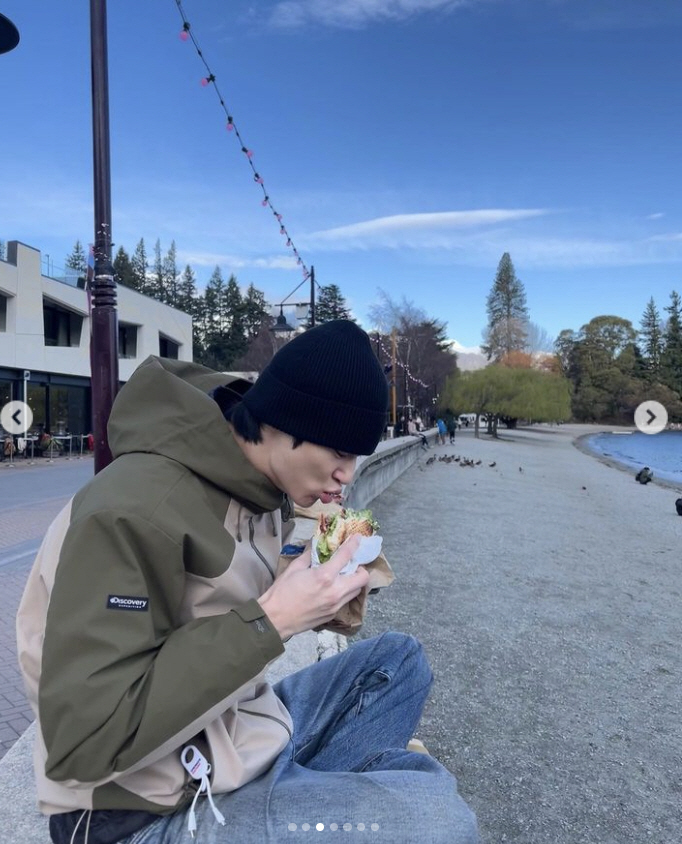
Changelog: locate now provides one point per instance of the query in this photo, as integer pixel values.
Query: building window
(62, 327)
(3, 312)
(168, 348)
(127, 340)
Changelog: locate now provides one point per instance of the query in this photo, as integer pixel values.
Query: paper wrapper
(348, 620)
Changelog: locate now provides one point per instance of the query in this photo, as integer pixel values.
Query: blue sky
(406, 143)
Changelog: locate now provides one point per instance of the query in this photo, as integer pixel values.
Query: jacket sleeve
(120, 677)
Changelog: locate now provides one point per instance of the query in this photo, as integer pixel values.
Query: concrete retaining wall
(377, 472)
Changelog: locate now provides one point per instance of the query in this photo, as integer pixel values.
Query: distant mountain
(468, 358)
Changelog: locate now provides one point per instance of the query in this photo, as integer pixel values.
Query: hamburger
(332, 530)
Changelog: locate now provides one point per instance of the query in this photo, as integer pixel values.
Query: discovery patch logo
(127, 602)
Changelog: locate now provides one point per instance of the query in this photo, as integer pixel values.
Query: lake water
(660, 452)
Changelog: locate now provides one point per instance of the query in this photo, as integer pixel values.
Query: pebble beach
(547, 591)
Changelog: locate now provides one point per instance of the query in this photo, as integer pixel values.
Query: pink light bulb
(264, 202)
(204, 82)
(230, 126)
(184, 35)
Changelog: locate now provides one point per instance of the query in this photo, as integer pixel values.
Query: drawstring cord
(274, 524)
(198, 767)
(239, 525)
(87, 826)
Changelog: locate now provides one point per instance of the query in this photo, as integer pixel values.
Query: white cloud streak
(355, 13)
(236, 262)
(408, 229)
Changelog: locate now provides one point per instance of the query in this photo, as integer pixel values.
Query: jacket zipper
(253, 545)
(270, 718)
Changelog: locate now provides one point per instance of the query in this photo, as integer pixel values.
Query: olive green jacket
(139, 630)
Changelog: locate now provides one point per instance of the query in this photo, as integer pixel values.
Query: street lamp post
(104, 334)
(281, 325)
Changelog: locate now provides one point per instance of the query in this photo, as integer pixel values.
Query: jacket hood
(166, 408)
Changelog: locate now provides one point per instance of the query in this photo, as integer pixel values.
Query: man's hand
(302, 598)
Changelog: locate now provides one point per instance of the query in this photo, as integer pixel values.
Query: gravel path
(547, 592)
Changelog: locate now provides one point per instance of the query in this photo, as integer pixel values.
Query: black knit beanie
(325, 387)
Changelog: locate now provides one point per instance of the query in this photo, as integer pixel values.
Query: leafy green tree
(140, 268)
(604, 366)
(123, 269)
(330, 305)
(513, 393)
(651, 336)
(507, 329)
(671, 358)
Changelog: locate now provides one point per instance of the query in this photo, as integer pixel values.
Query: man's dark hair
(240, 417)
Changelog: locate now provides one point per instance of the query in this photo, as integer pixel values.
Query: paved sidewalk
(21, 530)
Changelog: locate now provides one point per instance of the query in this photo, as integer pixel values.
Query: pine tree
(234, 342)
(140, 268)
(651, 334)
(191, 303)
(255, 311)
(330, 305)
(170, 277)
(671, 359)
(156, 288)
(77, 260)
(123, 269)
(506, 331)
(213, 324)
(187, 291)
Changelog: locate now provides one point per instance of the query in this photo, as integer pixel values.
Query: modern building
(45, 340)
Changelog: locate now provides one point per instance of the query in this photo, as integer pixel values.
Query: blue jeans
(346, 770)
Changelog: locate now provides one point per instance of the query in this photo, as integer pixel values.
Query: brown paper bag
(348, 620)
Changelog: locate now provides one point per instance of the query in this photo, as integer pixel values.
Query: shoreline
(581, 443)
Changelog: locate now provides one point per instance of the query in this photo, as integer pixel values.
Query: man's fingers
(301, 562)
(343, 554)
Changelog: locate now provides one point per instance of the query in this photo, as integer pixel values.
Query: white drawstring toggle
(198, 767)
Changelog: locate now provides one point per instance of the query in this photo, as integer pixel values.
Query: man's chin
(305, 500)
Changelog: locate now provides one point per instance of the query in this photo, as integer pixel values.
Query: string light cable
(402, 365)
(187, 35)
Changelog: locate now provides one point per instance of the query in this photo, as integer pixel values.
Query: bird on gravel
(493, 464)
(678, 506)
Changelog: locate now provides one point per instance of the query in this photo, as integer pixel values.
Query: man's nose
(344, 473)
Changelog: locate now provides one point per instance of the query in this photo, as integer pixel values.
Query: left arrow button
(16, 417)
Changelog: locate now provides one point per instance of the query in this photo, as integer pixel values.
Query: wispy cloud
(404, 230)
(656, 216)
(479, 237)
(355, 13)
(671, 237)
(230, 262)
